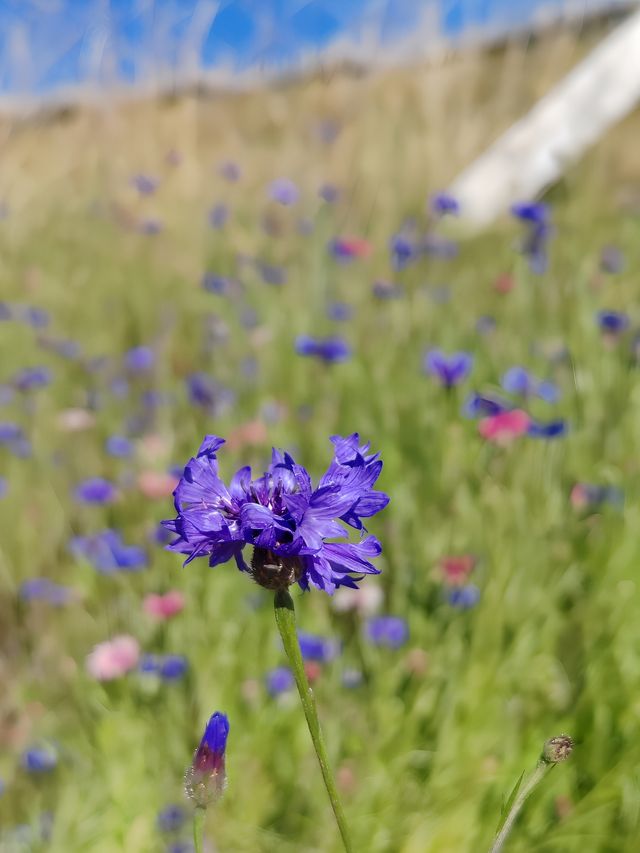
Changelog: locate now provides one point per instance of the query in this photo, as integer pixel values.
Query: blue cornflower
(443, 203)
(449, 370)
(107, 553)
(213, 283)
(206, 778)
(279, 680)
(329, 350)
(484, 406)
(39, 759)
(144, 184)
(284, 191)
(612, 322)
(95, 490)
(272, 274)
(218, 216)
(230, 171)
(35, 317)
(403, 250)
(206, 392)
(10, 432)
(32, 378)
(551, 429)
(171, 818)
(119, 446)
(320, 649)
(389, 631)
(150, 226)
(140, 359)
(463, 597)
(536, 217)
(437, 246)
(282, 516)
(385, 290)
(166, 667)
(339, 311)
(43, 589)
(518, 380)
(329, 193)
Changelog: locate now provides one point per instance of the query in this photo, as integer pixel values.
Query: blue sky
(49, 44)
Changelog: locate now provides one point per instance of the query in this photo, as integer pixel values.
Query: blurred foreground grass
(428, 746)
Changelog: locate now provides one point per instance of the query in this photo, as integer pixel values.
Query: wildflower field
(278, 268)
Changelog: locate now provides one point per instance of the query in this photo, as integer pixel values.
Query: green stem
(542, 768)
(198, 827)
(286, 621)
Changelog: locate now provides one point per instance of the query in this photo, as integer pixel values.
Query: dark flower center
(273, 571)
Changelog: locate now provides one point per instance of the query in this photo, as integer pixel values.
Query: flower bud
(557, 749)
(205, 780)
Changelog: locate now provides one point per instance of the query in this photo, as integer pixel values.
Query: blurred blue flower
(43, 589)
(449, 370)
(219, 216)
(144, 184)
(206, 392)
(139, 359)
(484, 406)
(403, 249)
(95, 490)
(551, 429)
(388, 631)
(39, 759)
(330, 350)
(320, 649)
(282, 516)
(536, 216)
(463, 597)
(32, 378)
(329, 193)
(284, 191)
(230, 171)
(6, 394)
(166, 667)
(10, 432)
(119, 446)
(385, 290)
(518, 380)
(279, 680)
(339, 311)
(437, 246)
(271, 274)
(218, 284)
(35, 317)
(150, 226)
(107, 553)
(612, 322)
(443, 203)
(171, 818)
(611, 260)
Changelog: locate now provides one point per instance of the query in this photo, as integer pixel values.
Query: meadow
(155, 286)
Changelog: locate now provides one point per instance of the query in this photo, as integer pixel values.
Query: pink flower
(165, 606)
(75, 420)
(366, 600)
(457, 569)
(156, 485)
(249, 433)
(113, 658)
(504, 427)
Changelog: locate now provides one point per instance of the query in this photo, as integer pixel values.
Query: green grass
(425, 757)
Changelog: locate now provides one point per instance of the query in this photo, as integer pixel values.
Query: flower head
(107, 553)
(329, 350)
(39, 759)
(95, 490)
(504, 426)
(442, 203)
(518, 380)
(162, 607)
(113, 658)
(286, 520)
(279, 680)
(612, 323)
(449, 370)
(315, 648)
(206, 778)
(284, 191)
(389, 631)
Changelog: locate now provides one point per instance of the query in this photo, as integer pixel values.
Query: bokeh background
(223, 218)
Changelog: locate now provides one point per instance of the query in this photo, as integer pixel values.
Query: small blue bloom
(320, 649)
(43, 589)
(464, 597)
(279, 680)
(206, 392)
(536, 217)
(330, 350)
(230, 171)
(284, 191)
(35, 317)
(271, 274)
(140, 359)
(10, 432)
(39, 759)
(518, 380)
(437, 246)
(552, 429)
(388, 631)
(218, 216)
(205, 779)
(119, 446)
(449, 370)
(443, 203)
(32, 378)
(150, 226)
(95, 490)
(484, 406)
(329, 193)
(107, 553)
(339, 311)
(613, 322)
(386, 290)
(218, 284)
(403, 251)
(171, 818)
(144, 184)
(166, 667)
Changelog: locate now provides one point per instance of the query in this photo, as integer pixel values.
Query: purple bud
(205, 780)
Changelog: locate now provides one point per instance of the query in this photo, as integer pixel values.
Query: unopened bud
(205, 780)
(557, 749)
